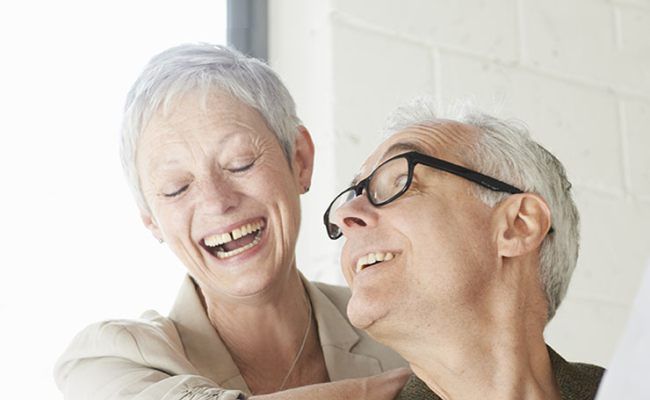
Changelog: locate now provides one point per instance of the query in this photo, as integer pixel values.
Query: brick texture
(637, 142)
(579, 38)
(484, 27)
(577, 123)
(577, 72)
(373, 72)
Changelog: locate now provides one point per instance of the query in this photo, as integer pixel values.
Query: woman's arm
(132, 360)
(114, 378)
(384, 386)
(145, 360)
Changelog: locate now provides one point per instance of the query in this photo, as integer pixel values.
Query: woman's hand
(384, 386)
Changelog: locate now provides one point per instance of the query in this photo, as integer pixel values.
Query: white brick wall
(577, 72)
(636, 127)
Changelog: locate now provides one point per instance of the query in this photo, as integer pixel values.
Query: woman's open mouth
(237, 241)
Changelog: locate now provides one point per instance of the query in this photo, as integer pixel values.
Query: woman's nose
(220, 195)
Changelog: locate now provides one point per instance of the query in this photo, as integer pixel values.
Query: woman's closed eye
(176, 192)
(239, 167)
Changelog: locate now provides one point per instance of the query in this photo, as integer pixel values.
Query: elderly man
(459, 270)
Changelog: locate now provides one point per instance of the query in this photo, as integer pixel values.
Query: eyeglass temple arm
(476, 177)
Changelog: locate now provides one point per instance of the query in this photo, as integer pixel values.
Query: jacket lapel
(207, 352)
(338, 339)
(202, 344)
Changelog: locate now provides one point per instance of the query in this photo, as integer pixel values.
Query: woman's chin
(243, 284)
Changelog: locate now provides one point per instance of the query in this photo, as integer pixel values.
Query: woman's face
(222, 194)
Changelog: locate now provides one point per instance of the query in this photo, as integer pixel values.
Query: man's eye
(400, 181)
(177, 192)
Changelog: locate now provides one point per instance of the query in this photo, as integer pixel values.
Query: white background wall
(577, 72)
(580, 76)
(73, 248)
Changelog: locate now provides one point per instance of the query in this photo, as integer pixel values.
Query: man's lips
(373, 258)
(236, 241)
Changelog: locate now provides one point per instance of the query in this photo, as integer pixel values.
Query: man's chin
(363, 316)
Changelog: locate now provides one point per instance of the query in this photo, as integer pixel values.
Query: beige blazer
(182, 357)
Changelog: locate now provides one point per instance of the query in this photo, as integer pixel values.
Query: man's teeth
(222, 238)
(373, 258)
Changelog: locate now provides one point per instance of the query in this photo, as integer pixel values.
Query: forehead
(441, 138)
(196, 118)
(202, 110)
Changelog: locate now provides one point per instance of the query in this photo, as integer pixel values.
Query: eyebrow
(163, 163)
(399, 147)
(170, 161)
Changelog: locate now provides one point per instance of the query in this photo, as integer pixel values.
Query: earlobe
(303, 158)
(524, 220)
(150, 223)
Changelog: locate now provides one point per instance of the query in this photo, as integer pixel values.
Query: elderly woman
(217, 160)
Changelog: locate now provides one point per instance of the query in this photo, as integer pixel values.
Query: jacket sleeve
(132, 360)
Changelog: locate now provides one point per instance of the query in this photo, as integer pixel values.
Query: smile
(373, 259)
(235, 242)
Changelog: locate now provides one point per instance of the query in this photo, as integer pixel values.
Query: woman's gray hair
(203, 68)
(505, 150)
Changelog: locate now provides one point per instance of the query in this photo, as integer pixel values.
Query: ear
(150, 223)
(523, 221)
(303, 158)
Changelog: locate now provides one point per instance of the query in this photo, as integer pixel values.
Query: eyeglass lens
(386, 182)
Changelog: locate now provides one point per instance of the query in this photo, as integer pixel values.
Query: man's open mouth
(237, 241)
(371, 259)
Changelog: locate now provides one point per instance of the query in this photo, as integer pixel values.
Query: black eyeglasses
(393, 178)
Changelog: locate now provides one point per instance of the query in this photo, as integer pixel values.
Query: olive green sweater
(576, 381)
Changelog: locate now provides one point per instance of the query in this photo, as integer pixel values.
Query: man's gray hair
(203, 68)
(505, 150)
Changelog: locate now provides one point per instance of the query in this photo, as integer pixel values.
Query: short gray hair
(203, 67)
(506, 151)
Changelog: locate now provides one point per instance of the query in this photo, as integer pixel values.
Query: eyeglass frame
(414, 158)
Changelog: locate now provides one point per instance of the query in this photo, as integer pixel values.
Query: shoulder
(414, 389)
(582, 379)
(141, 340)
(123, 358)
(576, 380)
(338, 295)
(588, 371)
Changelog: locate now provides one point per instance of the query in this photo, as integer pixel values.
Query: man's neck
(493, 349)
(497, 370)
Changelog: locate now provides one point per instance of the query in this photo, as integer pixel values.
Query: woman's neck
(265, 335)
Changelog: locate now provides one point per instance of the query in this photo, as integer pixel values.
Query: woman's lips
(229, 244)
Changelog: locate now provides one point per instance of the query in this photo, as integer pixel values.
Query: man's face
(437, 233)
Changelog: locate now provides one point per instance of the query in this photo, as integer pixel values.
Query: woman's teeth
(223, 238)
(221, 246)
(226, 254)
(373, 258)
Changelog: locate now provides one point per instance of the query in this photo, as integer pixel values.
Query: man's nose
(354, 215)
